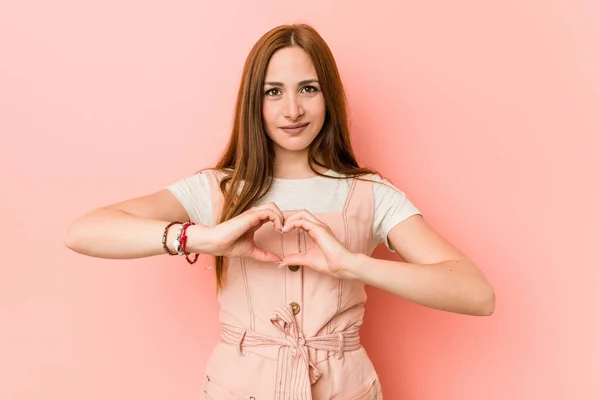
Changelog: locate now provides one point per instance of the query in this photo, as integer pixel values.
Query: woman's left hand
(326, 255)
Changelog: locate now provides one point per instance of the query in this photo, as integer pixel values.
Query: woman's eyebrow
(304, 82)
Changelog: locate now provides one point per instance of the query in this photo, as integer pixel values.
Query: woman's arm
(130, 229)
(435, 274)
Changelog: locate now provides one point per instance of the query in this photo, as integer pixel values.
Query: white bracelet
(177, 242)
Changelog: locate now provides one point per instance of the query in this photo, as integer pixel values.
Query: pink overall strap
(358, 215)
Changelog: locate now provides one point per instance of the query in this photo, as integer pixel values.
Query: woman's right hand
(235, 237)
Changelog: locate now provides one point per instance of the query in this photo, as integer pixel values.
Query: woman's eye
(272, 92)
(310, 89)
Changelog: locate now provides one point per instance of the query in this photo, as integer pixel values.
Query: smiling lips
(294, 129)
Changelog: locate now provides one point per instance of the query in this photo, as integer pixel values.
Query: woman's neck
(294, 168)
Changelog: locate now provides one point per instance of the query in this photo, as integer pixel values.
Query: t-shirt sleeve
(193, 192)
(391, 207)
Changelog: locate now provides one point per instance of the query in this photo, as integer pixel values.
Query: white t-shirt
(317, 195)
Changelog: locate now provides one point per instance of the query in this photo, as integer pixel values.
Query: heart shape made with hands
(321, 250)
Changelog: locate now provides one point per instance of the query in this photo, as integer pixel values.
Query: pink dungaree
(293, 333)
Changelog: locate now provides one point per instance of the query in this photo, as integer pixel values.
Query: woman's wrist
(352, 265)
(200, 240)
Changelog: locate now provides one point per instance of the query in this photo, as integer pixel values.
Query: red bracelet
(184, 241)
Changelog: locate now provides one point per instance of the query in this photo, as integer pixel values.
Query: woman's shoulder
(369, 177)
(212, 174)
(215, 171)
(380, 185)
(200, 182)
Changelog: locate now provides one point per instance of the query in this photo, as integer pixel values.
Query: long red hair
(249, 156)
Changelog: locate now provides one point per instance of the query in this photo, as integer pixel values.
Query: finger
(280, 222)
(250, 221)
(261, 216)
(262, 255)
(302, 214)
(296, 259)
(314, 230)
(272, 207)
(275, 208)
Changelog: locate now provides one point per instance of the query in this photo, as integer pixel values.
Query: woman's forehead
(290, 65)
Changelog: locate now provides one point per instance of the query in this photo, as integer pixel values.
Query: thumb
(296, 259)
(261, 255)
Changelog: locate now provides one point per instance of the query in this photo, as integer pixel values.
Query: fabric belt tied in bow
(296, 372)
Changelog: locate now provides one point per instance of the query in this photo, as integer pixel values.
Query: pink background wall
(485, 114)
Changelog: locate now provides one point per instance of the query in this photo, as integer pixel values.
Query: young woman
(292, 221)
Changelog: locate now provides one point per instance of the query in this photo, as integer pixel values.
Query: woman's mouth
(294, 129)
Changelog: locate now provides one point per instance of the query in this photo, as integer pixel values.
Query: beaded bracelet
(184, 241)
(177, 242)
(164, 239)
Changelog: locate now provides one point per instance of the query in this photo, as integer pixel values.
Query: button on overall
(295, 307)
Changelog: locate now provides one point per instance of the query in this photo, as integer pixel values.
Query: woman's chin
(293, 146)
